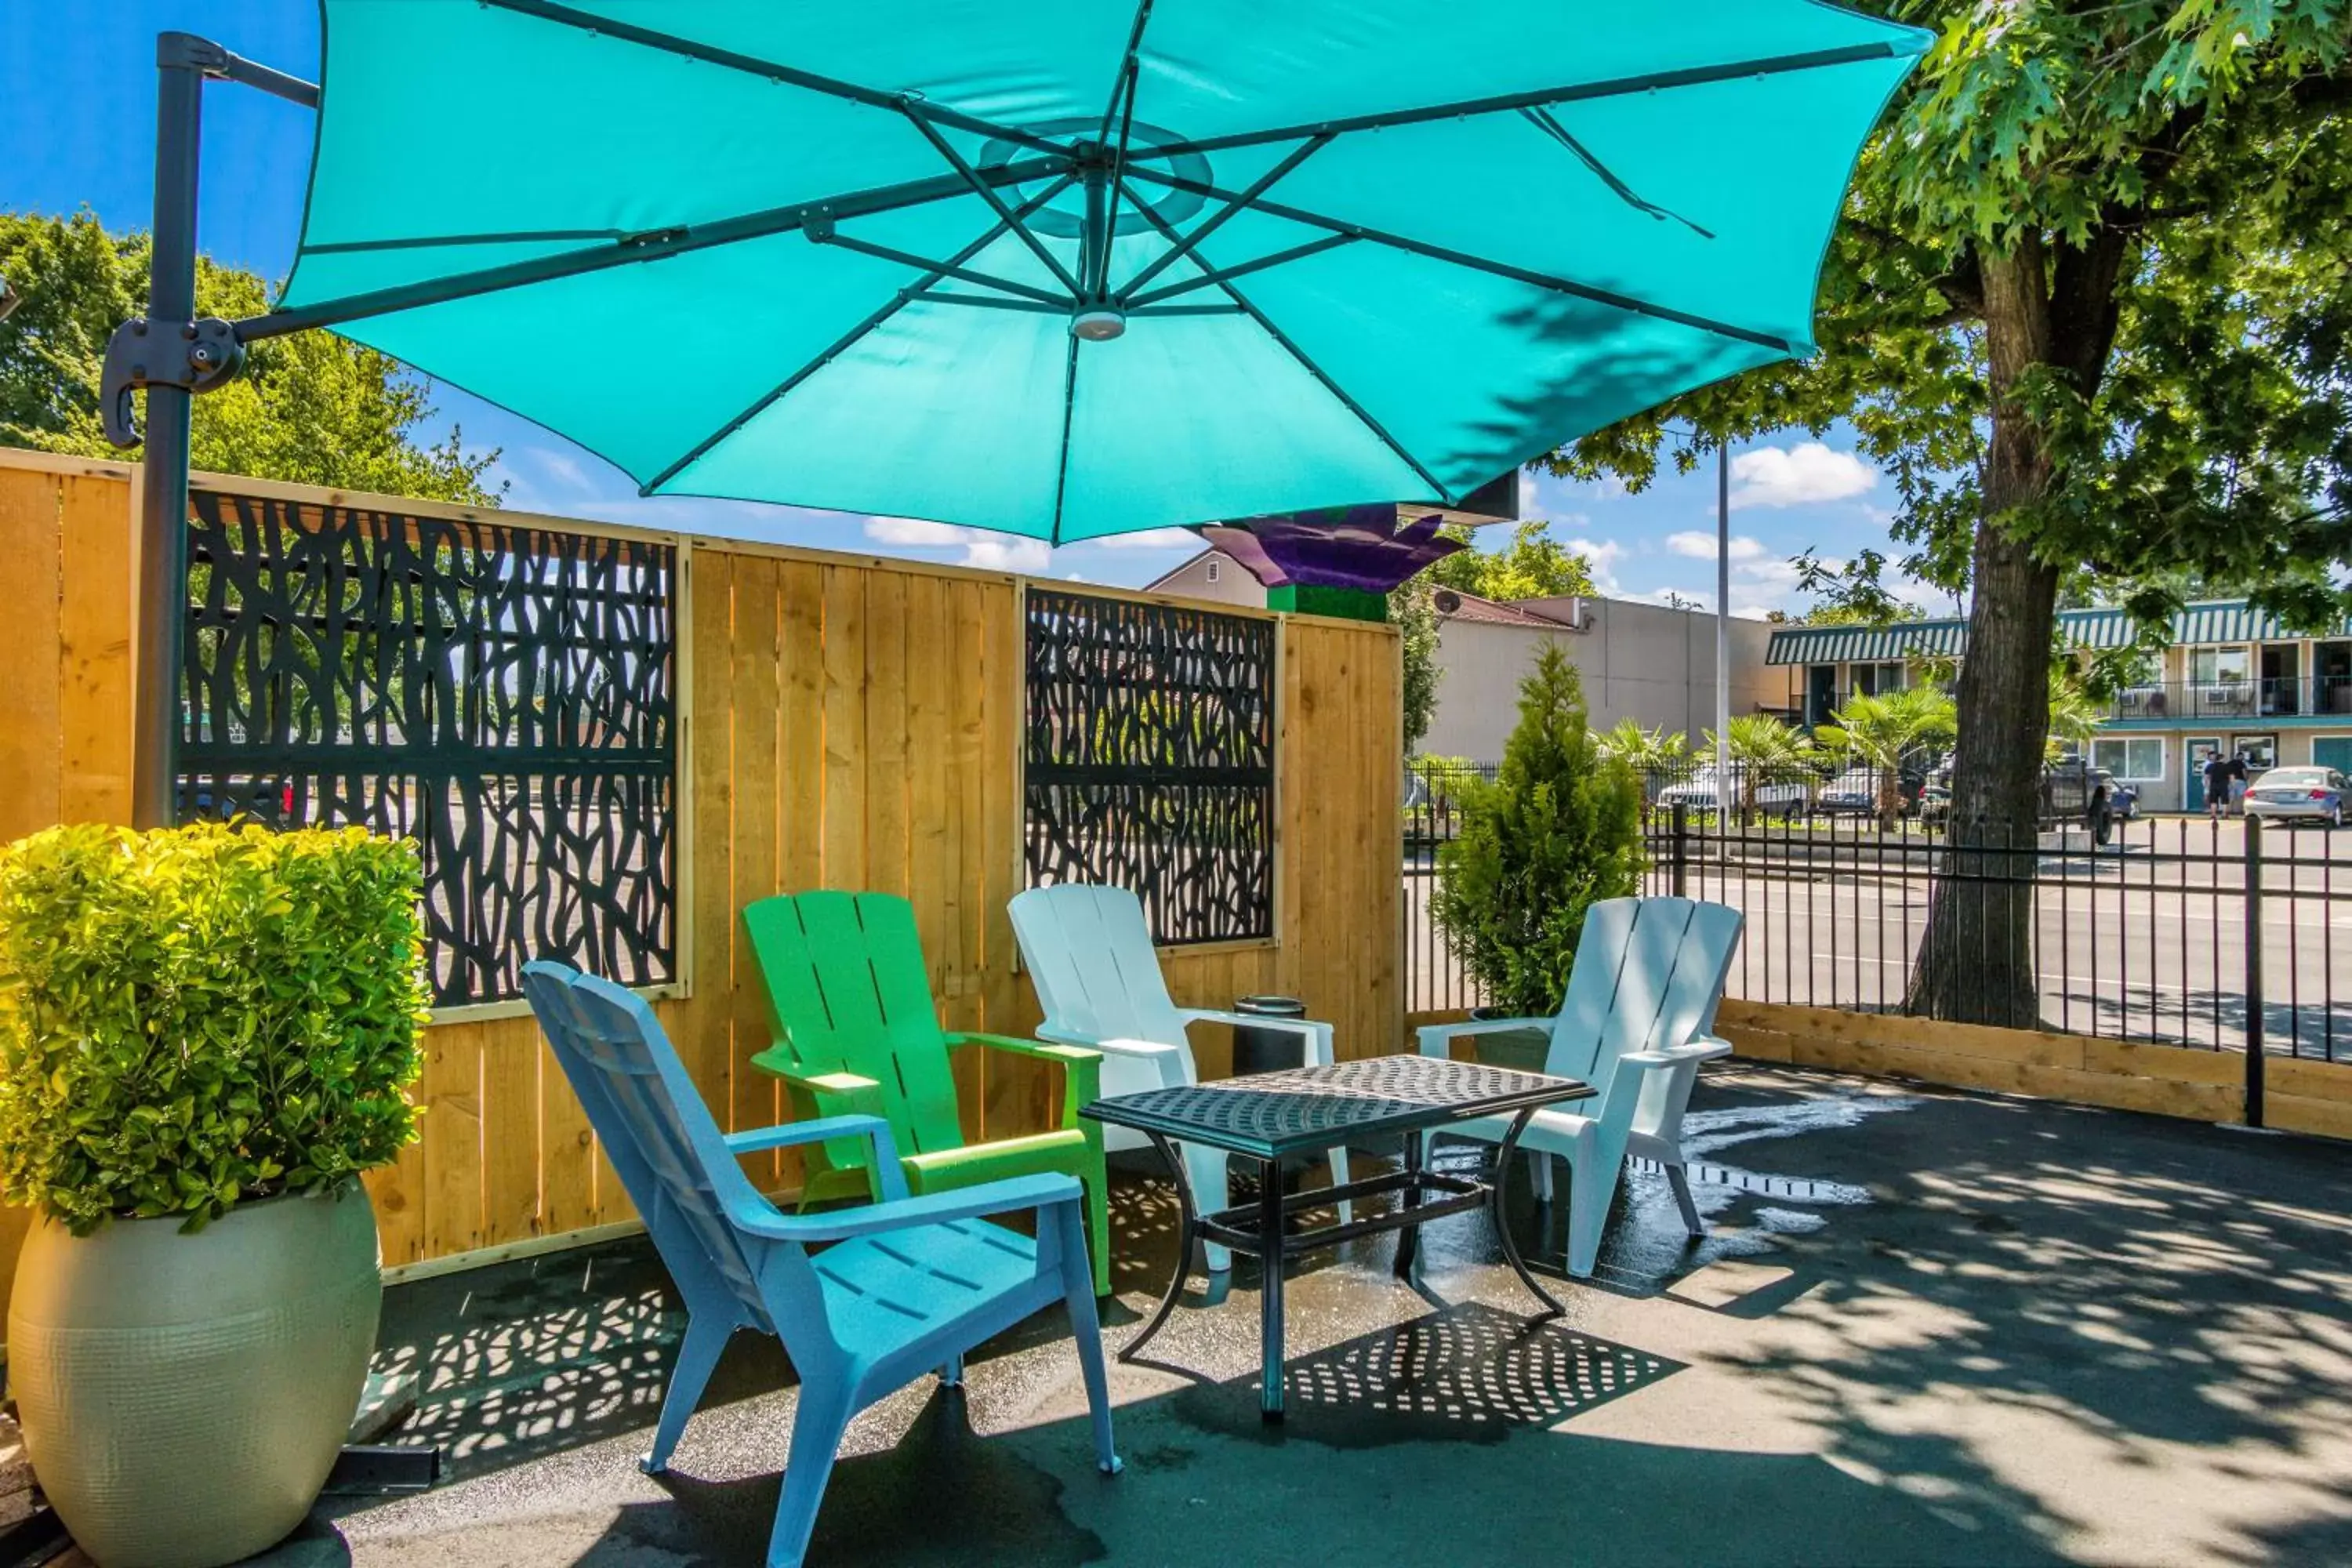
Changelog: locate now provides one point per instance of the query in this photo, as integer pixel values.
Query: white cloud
(980, 546)
(1151, 539)
(1527, 493)
(1797, 476)
(1603, 555)
(1700, 545)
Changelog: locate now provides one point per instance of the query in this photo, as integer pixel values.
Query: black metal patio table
(1270, 1116)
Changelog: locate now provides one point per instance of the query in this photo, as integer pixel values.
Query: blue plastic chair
(908, 1284)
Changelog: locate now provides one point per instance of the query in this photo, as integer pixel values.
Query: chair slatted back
(654, 1129)
(1090, 957)
(1648, 974)
(848, 991)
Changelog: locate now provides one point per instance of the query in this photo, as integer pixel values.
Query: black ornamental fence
(2220, 934)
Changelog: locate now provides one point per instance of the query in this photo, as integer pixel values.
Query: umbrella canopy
(1070, 269)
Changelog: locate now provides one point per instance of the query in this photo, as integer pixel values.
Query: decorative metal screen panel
(503, 695)
(1151, 760)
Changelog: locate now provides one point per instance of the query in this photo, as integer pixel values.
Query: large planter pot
(183, 1397)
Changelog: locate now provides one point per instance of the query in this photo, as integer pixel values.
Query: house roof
(2104, 627)
(1499, 612)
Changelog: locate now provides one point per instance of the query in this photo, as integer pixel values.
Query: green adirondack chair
(857, 1033)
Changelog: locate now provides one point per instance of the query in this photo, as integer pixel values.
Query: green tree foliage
(1879, 733)
(2090, 306)
(1533, 566)
(200, 1016)
(2075, 714)
(1559, 829)
(1646, 751)
(311, 407)
(1415, 619)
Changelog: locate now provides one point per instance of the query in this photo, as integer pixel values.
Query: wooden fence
(849, 722)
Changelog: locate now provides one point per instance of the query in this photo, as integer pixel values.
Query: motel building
(2233, 679)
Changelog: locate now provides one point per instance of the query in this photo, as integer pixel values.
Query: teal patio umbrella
(1065, 269)
(1070, 269)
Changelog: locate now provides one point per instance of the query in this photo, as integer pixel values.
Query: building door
(2331, 677)
(2282, 686)
(1821, 694)
(2332, 752)
(2192, 788)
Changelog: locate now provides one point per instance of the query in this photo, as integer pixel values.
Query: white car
(2299, 796)
(1699, 792)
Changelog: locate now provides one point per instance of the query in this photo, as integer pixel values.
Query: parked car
(267, 802)
(1935, 801)
(1856, 791)
(2297, 795)
(2074, 791)
(1700, 793)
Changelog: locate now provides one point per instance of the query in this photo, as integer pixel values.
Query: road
(2144, 941)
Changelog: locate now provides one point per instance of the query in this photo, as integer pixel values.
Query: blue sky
(77, 125)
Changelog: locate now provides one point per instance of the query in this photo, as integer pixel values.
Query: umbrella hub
(1144, 205)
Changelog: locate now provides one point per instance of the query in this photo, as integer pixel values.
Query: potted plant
(1559, 829)
(205, 1035)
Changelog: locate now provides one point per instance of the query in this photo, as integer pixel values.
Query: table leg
(1409, 1235)
(1187, 1227)
(1503, 1220)
(1270, 1266)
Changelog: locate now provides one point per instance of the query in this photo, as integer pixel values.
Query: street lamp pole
(1722, 626)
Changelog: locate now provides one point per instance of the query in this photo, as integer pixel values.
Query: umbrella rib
(752, 65)
(1544, 121)
(828, 235)
(1140, 303)
(630, 250)
(990, 194)
(1216, 220)
(1123, 82)
(1609, 297)
(1266, 326)
(1615, 87)
(841, 345)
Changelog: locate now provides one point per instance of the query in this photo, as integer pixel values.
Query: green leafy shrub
(200, 1016)
(1559, 829)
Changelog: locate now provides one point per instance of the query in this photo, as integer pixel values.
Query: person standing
(2217, 784)
(2240, 775)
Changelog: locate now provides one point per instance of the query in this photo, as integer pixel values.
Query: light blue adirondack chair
(907, 1286)
(1636, 1022)
(1089, 954)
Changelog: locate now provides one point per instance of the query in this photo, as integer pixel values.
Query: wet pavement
(1926, 1327)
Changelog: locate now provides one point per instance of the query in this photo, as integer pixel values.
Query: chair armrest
(873, 1129)
(1081, 1067)
(1438, 1040)
(1141, 1050)
(936, 1208)
(1700, 1048)
(1318, 1033)
(842, 1084)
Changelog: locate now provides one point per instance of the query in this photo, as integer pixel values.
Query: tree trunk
(1976, 956)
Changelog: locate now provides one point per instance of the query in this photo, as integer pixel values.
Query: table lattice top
(1302, 1109)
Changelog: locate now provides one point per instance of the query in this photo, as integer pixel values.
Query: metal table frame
(1260, 1230)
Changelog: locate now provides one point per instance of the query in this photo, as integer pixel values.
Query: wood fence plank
(31, 720)
(452, 1095)
(94, 618)
(701, 1033)
(843, 827)
(511, 1157)
(754, 703)
(886, 734)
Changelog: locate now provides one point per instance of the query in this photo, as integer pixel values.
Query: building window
(1215, 564)
(1150, 762)
(1877, 679)
(2135, 759)
(2218, 665)
(502, 695)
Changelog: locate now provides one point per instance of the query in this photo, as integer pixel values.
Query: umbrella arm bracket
(195, 356)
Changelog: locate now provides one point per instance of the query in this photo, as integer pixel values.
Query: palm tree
(1878, 732)
(2075, 715)
(1765, 748)
(1648, 751)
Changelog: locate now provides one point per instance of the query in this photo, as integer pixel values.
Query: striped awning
(2212, 621)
